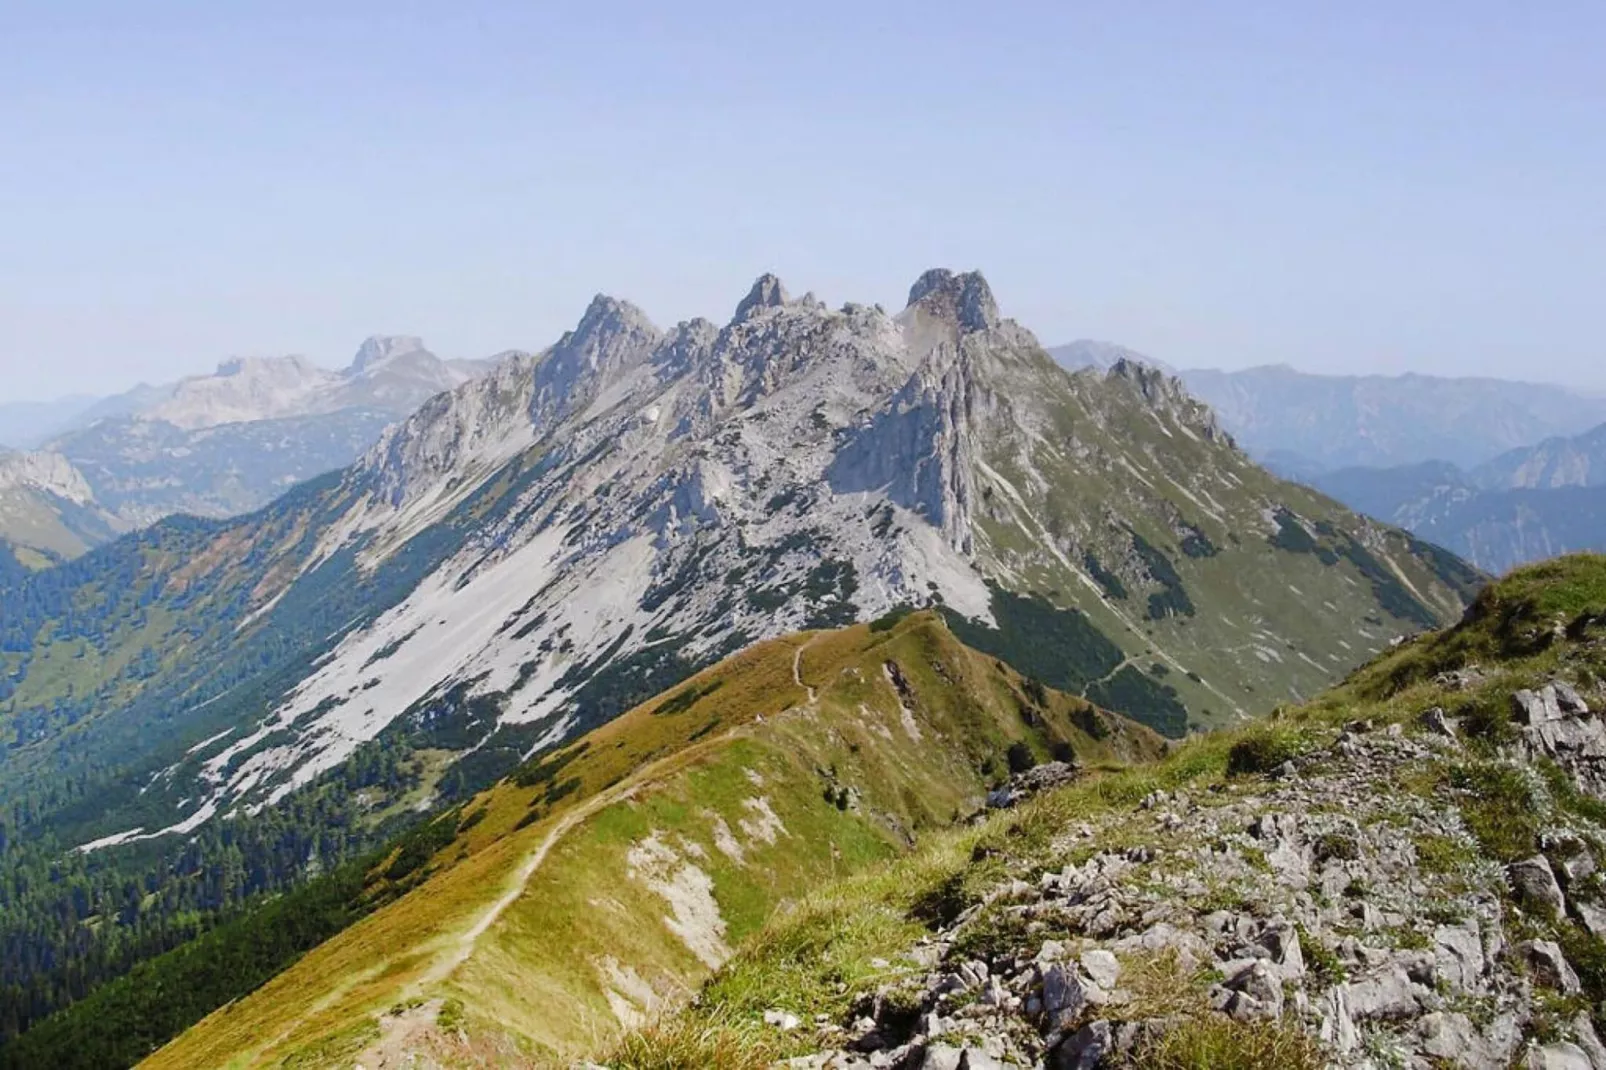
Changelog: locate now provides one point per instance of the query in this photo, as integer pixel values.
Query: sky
(1355, 187)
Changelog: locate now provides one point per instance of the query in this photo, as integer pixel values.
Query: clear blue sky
(1366, 186)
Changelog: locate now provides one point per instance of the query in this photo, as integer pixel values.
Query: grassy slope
(1272, 625)
(1538, 623)
(847, 782)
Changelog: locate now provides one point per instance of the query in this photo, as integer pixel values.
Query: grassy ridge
(745, 789)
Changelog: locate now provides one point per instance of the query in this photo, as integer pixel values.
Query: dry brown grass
(1216, 1042)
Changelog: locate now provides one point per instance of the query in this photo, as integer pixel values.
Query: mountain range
(541, 549)
(222, 444)
(1303, 424)
(1523, 505)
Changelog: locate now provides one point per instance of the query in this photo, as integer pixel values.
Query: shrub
(1262, 752)
(450, 1017)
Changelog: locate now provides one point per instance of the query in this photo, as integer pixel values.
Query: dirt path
(403, 1033)
(464, 945)
(402, 1036)
(797, 673)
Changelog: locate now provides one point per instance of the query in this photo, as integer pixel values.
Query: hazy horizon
(339, 364)
(1361, 191)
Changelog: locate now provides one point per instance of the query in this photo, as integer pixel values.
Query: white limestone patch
(725, 841)
(763, 826)
(431, 637)
(693, 912)
(630, 996)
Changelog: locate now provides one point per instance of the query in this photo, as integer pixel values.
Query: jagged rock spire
(767, 292)
(964, 299)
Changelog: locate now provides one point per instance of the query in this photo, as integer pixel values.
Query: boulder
(1458, 955)
(976, 1059)
(1453, 1039)
(1102, 967)
(1548, 966)
(1388, 995)
(1570, 701)
(1585, 1037)
(1065, 995)
(1575, 866)
(1436, 723)
(1562, 1055)
(1281, 940)
(1592, 917)
(1535, 884)
(1255, 992)
(1086, 1050)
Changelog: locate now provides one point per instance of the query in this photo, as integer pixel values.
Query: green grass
(1499, 808)
(1265, 749)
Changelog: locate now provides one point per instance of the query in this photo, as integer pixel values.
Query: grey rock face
(767, 292)
(1534, 882)
(919, 451)
(1536, 707)
(964, 299)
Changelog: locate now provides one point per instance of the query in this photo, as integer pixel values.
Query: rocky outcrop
(964, 299)
(1307, 902)
(1556, 724)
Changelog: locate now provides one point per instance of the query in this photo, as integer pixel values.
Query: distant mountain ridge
(389, 373)
(1305, 423)
(24, 425)
(1501, 473)
(1089, 353)
(1347, 421)
(1522, 506)
(230, 442)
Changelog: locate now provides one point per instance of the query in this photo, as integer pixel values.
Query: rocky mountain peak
(767, 292)
(608, 325)
(381, 348)
(1167, 393)
(964, 299)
